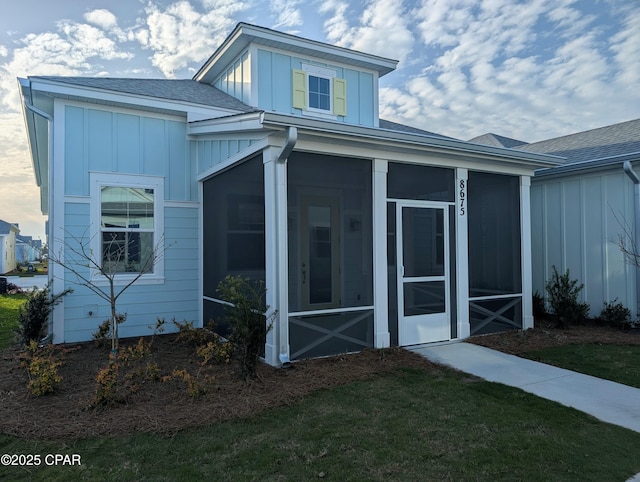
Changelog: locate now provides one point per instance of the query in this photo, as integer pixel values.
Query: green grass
(9, 317)
(409, 426)
(619, 363)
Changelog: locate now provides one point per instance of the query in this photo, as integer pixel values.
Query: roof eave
(532, 160)
(590, 166)
(244, 34)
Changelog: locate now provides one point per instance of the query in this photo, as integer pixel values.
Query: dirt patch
(166, 407)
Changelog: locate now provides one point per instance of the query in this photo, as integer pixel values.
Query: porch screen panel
(424, 183)
(495, 270)
(494, 234)
(330, 245)
(329, 232)
(233, 229)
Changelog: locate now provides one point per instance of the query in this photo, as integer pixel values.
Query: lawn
(619, 363)
(9, 317)
(413, 425)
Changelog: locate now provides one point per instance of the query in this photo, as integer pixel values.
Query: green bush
(615, 313)
(34, 313)
(539, 308)
(247, 320)
(563, 294)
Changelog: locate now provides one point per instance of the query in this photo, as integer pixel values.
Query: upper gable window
(318, 91)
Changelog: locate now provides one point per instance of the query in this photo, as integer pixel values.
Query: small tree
(246, 313)
(82, 262)
(563, 298)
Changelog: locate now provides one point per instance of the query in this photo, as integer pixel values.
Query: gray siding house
(581, 208)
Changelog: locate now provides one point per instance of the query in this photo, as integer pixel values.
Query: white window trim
(97, 181)
(323, 73)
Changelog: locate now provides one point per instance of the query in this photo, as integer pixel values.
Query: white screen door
(423, 273)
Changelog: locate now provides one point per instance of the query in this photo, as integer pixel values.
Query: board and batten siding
(117, 142)
(576, 222)
(105, 141)
(210, 153)
(275, 87)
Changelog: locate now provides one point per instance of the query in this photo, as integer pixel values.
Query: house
(28, 249)
(8, 233)
(581, 208)
(272, 163)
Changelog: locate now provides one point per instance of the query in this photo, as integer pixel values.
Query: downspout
(292, 138)
(49, 119)
(628, 169)
(281, 223)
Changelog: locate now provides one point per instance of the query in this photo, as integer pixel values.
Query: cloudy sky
(531, 70)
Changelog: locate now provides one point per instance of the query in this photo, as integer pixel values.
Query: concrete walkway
(608, 401)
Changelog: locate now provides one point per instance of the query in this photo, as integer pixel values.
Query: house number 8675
(462, 195)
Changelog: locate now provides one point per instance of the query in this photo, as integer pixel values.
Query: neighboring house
(28, 249)
(272, 163)
(580, 209)
(8, 233)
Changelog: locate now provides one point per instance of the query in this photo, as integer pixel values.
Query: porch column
(462, 253)
(275, 211)
(380, 276)
(525, 240)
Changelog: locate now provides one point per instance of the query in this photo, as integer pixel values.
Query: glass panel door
(423, 271)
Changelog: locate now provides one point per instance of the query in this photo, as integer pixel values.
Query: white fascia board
(251, 122)
(394, 140)
(134, 100)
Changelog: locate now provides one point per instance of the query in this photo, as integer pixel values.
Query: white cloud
(287, 14)
(3, 51)
(180, 35)
(526, 70)
(382, 28)
(107, 21)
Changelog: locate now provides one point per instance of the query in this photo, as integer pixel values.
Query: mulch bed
(546, 335)
(166, 407)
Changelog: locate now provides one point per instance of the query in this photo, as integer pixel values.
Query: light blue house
(272, 163)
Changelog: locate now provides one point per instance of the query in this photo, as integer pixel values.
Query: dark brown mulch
(166, 407)
(546, 335)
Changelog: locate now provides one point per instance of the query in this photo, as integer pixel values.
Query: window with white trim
(318, 90)
(127, 215)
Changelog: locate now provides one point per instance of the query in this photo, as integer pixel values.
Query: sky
(530, 70)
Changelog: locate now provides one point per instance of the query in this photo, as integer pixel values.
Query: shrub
(539, 308)
(563, 299)
(615, 313)
(247, 320)
(34, 313)
(124, 375)
(42, 367)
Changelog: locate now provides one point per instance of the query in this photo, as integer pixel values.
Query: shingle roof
(604, 142)
(176, 90)
(490, 139)
(5, 227)
(394, 126)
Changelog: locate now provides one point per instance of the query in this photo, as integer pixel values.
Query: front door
(320, 252)
(423, 273)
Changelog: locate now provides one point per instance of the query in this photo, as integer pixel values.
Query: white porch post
(462, 253)
(525, 234)
(380, 276)
(275, 199)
